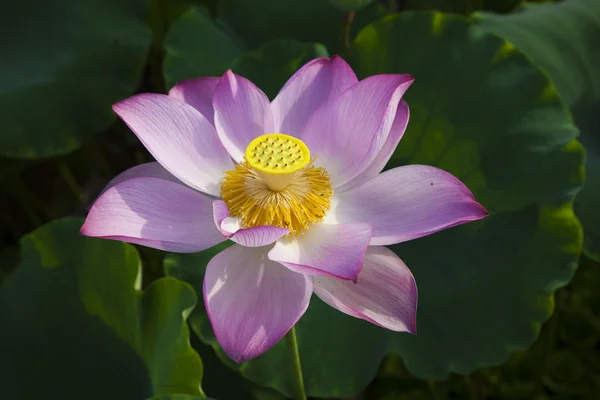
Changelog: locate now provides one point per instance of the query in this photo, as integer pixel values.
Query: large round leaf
(197, 46)
(563, 38)
(75, 324)
(483, 112)
(65, 63)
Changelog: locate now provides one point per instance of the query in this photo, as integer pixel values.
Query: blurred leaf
(9, 258)
(272, 64)
(364, 17)
(76, 326)
(350, 5)
(563, 38)
(162, 14)
(179, 397)
(260, 21)
(481, 111)
(461, 6)
(197, 46)
(10, 168)
(63, 65)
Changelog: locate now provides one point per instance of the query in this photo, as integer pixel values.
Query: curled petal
(242, 113)
(385, 294)
(252, 302)
(198, 93)
(407, 202)
(179, 138)
(323, 249)
(348, 133)
(315, 84)
(249, 237)
(155, 213)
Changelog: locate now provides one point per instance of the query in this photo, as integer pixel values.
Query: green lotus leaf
(75, 324)
(63, 69)
(563, 38)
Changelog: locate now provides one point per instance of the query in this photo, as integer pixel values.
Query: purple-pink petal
(407, 202)
(385, 294)
(147, 170)
(231, 228)
(242, 113)
(198, 93)
(252, 302)
(324, 249)
(315, 84)
(385, 153)
(155, 213)
(179, 138)
(347, 134)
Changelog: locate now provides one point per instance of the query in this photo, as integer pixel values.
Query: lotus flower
(296, 184)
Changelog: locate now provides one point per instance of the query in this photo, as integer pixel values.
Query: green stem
(471, 389)
(433, 389)
(71, 181)
(294, 362)
(157, 21)
(348, 29)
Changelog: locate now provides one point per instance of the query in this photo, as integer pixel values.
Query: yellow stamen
(276, 192)
(277, 158)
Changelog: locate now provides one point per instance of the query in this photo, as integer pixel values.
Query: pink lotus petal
(312, 86)
(384, 155)
(249, 237)
(348, 133)
(323, 249)
(179, 137)
(154, 213)
(148, 170)
(407, 202)
(242, 113)
(198, 93)
(252, 302)
(385, 294)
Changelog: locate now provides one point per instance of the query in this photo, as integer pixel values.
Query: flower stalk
(294, 363)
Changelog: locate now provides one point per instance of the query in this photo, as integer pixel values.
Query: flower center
(277, 185)
(276, 158)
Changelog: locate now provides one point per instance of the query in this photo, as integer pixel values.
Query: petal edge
(385, 294)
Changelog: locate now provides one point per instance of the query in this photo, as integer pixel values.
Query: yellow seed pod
(276, 158)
